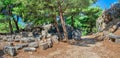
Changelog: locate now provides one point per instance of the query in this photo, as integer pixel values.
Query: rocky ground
(86, 48)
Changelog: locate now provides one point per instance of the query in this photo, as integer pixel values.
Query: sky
(105, 4)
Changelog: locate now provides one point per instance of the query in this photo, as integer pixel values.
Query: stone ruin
(109, 22)
(42, 37)
(108, 16)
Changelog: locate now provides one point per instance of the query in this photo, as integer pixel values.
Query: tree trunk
(91, 27)
(10, 26)
(10, 14)
(72, 19)
(16, 23)
(56, 25)
(62, 22)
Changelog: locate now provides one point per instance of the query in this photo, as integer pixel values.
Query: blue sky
(104, 3)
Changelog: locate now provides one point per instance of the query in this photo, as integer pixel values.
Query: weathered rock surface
(55, 39)
(10, 43)
(20, 46)
(29, 49)
(50, 43)
(9, 50)
(33, 44)
(17, 40)
(76, 34)
(43, 45)
(10, 40)
(24, 34)
(27, 39)
(18, 36)
(4, 38)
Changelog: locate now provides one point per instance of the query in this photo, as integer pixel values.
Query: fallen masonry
(50, 43)
(27, 39)
(55, 39)
(20, 46)
(43, 45)
(9, 50)
(33, 44)
(30, 41)
(29, 49)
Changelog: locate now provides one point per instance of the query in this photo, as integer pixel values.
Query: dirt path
(80, 52)
(72, 52)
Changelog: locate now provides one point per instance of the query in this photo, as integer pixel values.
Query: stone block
(29, 49)
(43, 45)
(9, 50)
(33, 44)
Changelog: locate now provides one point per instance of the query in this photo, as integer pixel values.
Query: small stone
(38, 38)
(13, 36)
(10, 40)
(18, 36)
(48, 35)
(76, 34)
(20, 46)
(24, 34)
(43, 45)
(27, 40)
(29, 49)
(10, 43)
(25, 44)
(9, 50)
(55, 39)
(17, 40)
(30, 34)
(4, 38)
(50, 43)
(33, 44)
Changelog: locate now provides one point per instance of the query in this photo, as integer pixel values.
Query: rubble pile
(29, 41)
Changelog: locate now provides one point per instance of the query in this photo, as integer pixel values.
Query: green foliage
(4, 28)
(86, 20)
(36, 10)
(42, 11)
(3, 24)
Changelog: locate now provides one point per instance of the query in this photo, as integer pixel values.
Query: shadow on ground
(85, 42)
(1, 53)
